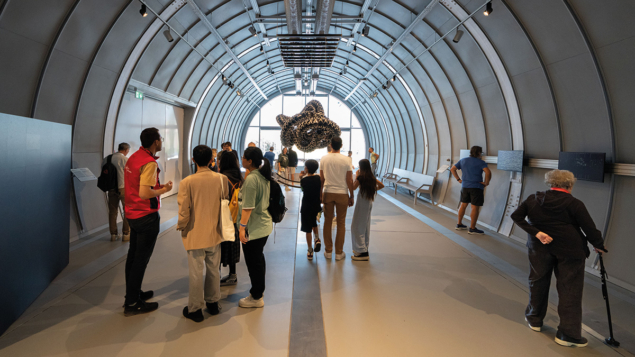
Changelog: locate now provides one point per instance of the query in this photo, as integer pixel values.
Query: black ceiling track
(308, 50)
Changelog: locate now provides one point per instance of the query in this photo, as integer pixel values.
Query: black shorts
(474, 196)
(308, 221)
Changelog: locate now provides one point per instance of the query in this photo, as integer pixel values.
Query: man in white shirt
(119, 160)
(337, 182)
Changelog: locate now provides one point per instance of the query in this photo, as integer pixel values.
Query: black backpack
(277, 207)
(107, 180)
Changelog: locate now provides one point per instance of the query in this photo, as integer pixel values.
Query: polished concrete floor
(421, 294)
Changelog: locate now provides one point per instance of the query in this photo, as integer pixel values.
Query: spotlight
(488, 9)
(383, 86)
(365, 31)
(168, 35)
(144, 10)
(458, 36)
(262, 49)
(229, 84)
(224, 79)
(355, 48)
(341, 73)
(267, 62)
(238, 93)
(272, 72)
(253, 31)
(375, 95)
(347, 63)
(394, 78)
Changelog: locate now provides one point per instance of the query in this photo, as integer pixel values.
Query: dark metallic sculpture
(308, 130)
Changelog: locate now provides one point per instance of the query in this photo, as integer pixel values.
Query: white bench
(390, 178)
(418, 183)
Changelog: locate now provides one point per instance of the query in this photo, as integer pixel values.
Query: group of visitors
(287, 163)
(217, 179)
(334, 189)
(558, 226)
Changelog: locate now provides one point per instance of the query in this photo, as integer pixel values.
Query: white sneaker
(340, 256)
(327, 255)
(251, 302)
(114, 237)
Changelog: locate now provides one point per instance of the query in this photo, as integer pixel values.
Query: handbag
(227, 223)
(233, 204)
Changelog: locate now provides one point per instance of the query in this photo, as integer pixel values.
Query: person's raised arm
(351, 189)
(454, 173)
(380, 185)
(147, 192)
(488, 176)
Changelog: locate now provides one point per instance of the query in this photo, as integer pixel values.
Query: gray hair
(123, 147)
(560, 179)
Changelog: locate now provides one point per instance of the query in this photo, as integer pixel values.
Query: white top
(335, 166)
(350, 162)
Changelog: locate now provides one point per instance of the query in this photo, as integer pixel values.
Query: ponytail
(255, 155)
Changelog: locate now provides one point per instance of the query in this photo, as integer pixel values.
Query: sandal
(309, 255)
(318, 244)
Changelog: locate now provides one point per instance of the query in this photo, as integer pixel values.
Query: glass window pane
(269, 138)
(255, 121)
(270, 110)
(252, 135)
(293, 105)
(356, 122)
(340, 113)
(358, 146)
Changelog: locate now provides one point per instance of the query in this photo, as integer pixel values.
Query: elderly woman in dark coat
(559, 228)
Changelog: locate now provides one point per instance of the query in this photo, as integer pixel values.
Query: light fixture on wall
(346, 63)
(267, 62)
(231, 85)
(488, 9)
(144, 10)
(394, 78)
(261, 49)
(458, 36)
(168, 35)
(253, 31)
(375, 95)
(365, 31)
(355, 48)
(238, 93)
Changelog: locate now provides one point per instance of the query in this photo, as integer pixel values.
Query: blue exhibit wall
(35, 162)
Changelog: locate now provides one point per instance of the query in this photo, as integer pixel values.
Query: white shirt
(350, 160)
(335, 166)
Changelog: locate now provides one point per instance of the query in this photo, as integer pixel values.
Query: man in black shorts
(472, 186)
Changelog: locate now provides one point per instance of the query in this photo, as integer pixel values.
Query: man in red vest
(143, 200)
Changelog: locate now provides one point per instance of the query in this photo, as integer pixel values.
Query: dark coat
(564, 218)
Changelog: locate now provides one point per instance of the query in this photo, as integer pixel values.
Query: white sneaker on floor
(340, 256)
(537, 329)
(328, 255)
(251, 302)
(114, 237)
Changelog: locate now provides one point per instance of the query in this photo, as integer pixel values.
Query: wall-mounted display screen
(587, 166)
(510, 160)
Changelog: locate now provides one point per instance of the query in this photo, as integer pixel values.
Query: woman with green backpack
(230, 251)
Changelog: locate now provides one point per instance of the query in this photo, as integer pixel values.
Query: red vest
(135, 206)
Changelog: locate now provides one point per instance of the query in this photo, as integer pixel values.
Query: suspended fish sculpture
(308, 130)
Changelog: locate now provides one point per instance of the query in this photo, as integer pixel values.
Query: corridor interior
(426, 291)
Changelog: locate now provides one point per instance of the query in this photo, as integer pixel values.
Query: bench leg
(395, 189)
(415, 198)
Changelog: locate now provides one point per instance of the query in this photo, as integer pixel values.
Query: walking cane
(609, 341)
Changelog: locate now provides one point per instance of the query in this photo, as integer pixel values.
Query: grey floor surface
(421, 294)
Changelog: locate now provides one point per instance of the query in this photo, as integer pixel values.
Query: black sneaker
(196, 316)
(564, 340)
(475, 231)
(231, 279)
(318, 245)
(140, 307)
(214, 308)
(146, 295)
(460, 227)
(360, 256)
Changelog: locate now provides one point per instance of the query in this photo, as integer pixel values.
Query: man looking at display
(472, 186)
(119, 160)
(143, 201)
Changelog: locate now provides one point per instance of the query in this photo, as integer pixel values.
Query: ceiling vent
(308, 50)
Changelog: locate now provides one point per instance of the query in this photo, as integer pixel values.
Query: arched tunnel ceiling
(554, 75)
